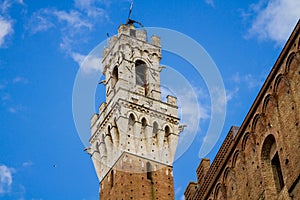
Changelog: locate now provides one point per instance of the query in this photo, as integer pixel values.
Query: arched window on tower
(115, 76)
(141, 74)
(271, 164)
(167, 131)
(144, 123)
(131, 121)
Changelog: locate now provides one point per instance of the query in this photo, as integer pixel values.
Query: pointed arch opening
(115, 76)
(167, 131)
(141, 74)
(144, 122)
(271, 165)
(131, 119)
(131, 122)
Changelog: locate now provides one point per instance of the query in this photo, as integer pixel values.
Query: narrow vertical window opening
(112, 178)
(271, 166)
(167, 131)
(149, 171)
(155, 128)
(115, 76)
(277, 173)
(140, 70)
(144, 123)
(131, 120)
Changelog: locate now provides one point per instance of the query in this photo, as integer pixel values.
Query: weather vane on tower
(131, 21)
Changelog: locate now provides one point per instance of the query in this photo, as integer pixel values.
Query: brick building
(261, 158)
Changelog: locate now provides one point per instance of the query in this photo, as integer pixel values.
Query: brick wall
(262, 160)
(134, 177)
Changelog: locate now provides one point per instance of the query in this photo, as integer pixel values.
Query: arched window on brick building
(271, 166)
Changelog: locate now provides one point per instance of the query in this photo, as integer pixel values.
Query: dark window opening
(112, 178)
(115, 76)
(140, 70)
(109, 130)
(132, 33)
(167, 131)
(131, 120)
(144, 123)
(277, 173)
(149, 171)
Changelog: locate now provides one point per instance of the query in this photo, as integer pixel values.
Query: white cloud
(73, 19)
(21, 2)
(249, 80)
(72, 24)
(221, 99)
(16, 109)
(231, 93)
(20, 79)
(12, 110)
(5, 5)
(79, 58)
(40, 21)
(6, 23)
(210, 2)
(92, 8)
(274, 20)
(5, 29)
(6, 179)
(89, 63)
(69, 23)
(178, 190)
(6, 100)
(252, 81)
(27, 164)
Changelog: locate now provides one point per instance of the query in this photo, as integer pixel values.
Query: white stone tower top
(133, 119)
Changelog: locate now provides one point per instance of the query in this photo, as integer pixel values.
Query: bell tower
(135, 134)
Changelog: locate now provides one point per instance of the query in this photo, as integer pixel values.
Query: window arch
(271, 164)
(167, 131)
(131, 119)
(131, 122)
(140, 72)
(144, 122)
(115, 76)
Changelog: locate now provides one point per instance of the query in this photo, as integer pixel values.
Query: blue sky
(42, 44)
